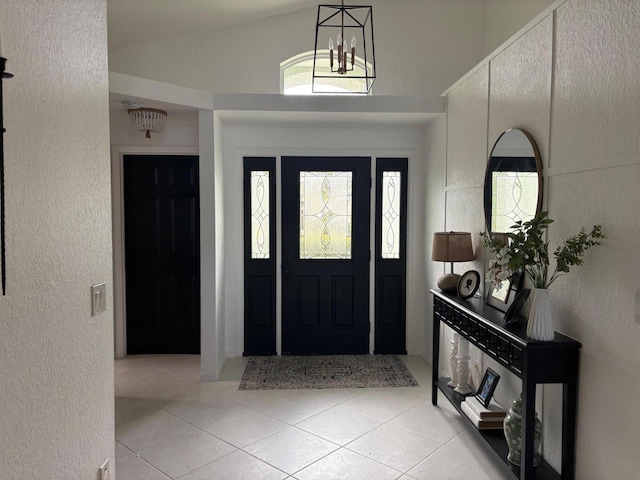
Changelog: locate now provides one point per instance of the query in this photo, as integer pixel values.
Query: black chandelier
(344, 67)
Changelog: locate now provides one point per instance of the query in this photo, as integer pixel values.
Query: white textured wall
(434, 185)
(521, 82)
(56, 361)
(421, 47)
(595, 151)
(582, 110)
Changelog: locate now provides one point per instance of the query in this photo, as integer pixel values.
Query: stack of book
(484, 418)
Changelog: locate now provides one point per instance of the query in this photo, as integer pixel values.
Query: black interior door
(162, 254)
(325, 247)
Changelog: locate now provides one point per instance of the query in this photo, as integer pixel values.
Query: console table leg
(435, 359)
(528, 430)
(569, 414)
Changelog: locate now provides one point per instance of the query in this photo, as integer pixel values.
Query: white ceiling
(131, 22)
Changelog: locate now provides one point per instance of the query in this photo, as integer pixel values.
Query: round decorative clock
(468, 284)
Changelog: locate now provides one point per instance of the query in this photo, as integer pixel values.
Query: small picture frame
(501, 291)
(468, 284)
(501, 296)
(511, 315)
(487, 387)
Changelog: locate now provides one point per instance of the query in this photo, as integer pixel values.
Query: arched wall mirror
(513, 181)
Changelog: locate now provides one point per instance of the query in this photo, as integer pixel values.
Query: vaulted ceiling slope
(132, 22)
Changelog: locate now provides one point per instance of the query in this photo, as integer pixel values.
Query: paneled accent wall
(520, 87)
(467, 110)
(571, 80)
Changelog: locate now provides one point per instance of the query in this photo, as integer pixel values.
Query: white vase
(540, 324)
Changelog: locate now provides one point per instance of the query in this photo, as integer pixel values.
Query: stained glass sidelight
(325, 215)
(260, 247)
(515, 197)
(390, 220)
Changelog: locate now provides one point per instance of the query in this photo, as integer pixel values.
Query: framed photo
(468, 284)
(501, 296)
(487, 387)
(518, 302)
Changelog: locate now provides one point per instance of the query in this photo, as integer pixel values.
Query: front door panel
(325, 246)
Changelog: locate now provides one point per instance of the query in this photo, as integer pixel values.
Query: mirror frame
(488, 177)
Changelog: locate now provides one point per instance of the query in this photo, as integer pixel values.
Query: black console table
(533, 362)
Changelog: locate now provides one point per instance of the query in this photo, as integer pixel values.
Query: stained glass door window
(390, 214)
(260, 245)
(325, 215)
(515, 197)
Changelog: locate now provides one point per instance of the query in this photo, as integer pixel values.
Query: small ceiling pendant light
(148, 120)
(344, 63)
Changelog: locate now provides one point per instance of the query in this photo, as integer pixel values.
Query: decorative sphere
(448, 282)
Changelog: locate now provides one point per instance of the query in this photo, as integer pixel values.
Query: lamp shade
(452, 247)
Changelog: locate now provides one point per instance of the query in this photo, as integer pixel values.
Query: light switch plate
(104, 471)
(98, 299)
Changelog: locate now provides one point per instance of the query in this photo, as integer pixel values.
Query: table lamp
(451, 247)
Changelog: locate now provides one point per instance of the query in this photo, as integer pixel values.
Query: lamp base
(448, 282)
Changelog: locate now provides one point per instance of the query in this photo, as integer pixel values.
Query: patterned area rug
(326, 371)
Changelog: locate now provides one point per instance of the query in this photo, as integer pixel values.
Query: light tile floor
(171, 426)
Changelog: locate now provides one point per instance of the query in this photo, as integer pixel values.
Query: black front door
(325, 248)
(162, 254)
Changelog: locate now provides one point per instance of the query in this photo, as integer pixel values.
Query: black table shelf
(495, 438)
(532, 361)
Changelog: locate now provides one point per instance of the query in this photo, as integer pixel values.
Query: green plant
(527, 250)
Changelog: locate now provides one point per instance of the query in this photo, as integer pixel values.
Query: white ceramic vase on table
(540, 323)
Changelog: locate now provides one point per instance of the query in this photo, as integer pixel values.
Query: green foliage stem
(527, 250)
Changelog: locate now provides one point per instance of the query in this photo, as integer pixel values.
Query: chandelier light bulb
(344, 58)
(353, 51)
(331, 52)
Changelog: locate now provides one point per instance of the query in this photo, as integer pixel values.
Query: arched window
(295, 77)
